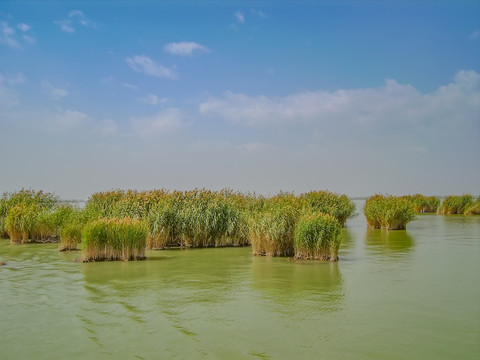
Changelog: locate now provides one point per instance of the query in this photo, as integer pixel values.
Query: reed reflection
(302, 288)
(392, 243)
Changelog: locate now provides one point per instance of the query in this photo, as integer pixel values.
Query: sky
(354, 97)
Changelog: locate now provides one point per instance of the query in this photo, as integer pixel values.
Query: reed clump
(20, 222)
(272, 226)
(198, 218)
(423, 204)
(388, 212)
(114, 239)
(317, 237)
(454, 204)
(20, 213)
(70, 232)
(474, 209)
(339, 206)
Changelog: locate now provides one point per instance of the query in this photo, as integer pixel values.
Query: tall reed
(339, 206)
(27, 200)
(272, 227)
(20, 222)
(317, 237)
(114, 239)
(456, 204)
(474, 209)
(388, 212)
(423, 204)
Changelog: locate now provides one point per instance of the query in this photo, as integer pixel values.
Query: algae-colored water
(411, 294)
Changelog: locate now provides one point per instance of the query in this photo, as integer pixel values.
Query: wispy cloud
(79, 16)
(143, 64)
(28, 39)
(54, 93)
(475, 35)
(165, 122)
(258, 13)
(75, 17)
(7, 36)
(130, 86)
(153, 99)
(184, 48)
(9, 96)
(68, 121)
(65, 25)
(23, 27)
(239, 17)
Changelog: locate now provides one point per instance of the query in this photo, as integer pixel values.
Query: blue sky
(358, 97)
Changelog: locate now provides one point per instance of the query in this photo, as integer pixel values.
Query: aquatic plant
(423, 204)
(70, 231)
(388, 212)
(317, 237)
(272, 227)
(198, 218)
(70, 236)
(24, 198)
(454, 204)
(114, 239)
(166, 223)
(474, 209)
(20, 221)
(339, 206)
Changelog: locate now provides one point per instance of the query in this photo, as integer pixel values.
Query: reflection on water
(227, 304)
(346, 237)
(393, 243)
(304, 287)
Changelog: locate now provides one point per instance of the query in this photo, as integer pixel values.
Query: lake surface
(411, 294)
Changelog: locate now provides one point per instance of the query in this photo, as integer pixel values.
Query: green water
(411, 294)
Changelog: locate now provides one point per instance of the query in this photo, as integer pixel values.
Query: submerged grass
(388, 212)
(114, 239)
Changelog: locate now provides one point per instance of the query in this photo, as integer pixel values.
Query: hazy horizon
(354, 97)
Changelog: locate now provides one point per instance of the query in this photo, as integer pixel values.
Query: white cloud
(390, 103)
(130, 86)
(239, 17)
(75, 17)
(258, 13)
(184, 48)
(23, 27)
(7, 36)
(153, 99)
(74, 13)
(54, 93)
(28, 39)
(65, 25)
(165, 122)
(143, 64)
(19, 78)
(73, 121)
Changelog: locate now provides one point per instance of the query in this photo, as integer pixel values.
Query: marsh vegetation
(122, 224)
